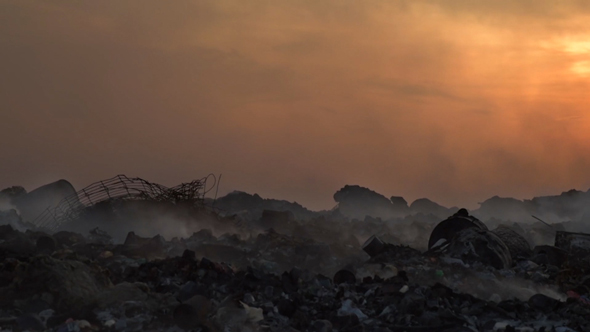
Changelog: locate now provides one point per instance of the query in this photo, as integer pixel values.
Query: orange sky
(455, 100)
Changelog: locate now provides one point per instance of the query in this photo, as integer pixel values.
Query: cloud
(452, 100)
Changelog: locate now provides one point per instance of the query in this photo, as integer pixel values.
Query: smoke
(6, 204)
(148, 219)
(505, 289)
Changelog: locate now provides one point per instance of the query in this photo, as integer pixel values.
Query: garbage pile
(293, 276)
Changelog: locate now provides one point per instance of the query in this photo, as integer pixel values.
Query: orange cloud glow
(454, 100)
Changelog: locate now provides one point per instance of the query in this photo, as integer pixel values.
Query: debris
(349, 308)
(444, 232)
(192, 313)
(543, 302)
(518, 246)
(344, 276)
(302, 275)
(46, 244)
(473, 245)
(66, 205)
(549, 255)
(374, 246)
(577, 246)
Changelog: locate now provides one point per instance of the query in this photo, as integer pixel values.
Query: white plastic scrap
(348, 308)
(254, 314)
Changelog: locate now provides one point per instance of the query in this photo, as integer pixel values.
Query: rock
(343, 321)
(286, 307)
(202, 236)
(99, 236)
(134, 240)
(413, 304)
(300, 320)
(349, 308)
(31, 322)
(543, 302)
(344, 276)
(383, 271)
(15, 242)
(46, 244)
(192, 313)
(69, 239)
(239, 317)
(72, 284)
(120, 293)
(321, 325)
(189, 255)
(527, 265)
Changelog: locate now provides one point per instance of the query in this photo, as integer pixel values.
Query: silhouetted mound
(238, 201)
(357, 202)
(570, 205)
(426, 206)
(400, 204)
(505, 209)
(251, 207)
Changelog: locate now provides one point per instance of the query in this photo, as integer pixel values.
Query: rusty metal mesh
(123, 188)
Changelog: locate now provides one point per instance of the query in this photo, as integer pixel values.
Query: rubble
(296, 275)
(189, 292)
(374, 246)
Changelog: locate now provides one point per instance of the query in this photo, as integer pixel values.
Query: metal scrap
(120, 187)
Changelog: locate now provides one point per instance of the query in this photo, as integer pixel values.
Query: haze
(453, 100)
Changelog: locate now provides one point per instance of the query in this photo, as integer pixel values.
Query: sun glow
(580, 51)
(577, 47)
(581, 68)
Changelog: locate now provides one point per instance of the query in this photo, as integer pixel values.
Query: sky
(454, 100)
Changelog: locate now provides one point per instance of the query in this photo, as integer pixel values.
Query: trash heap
(305, 276)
